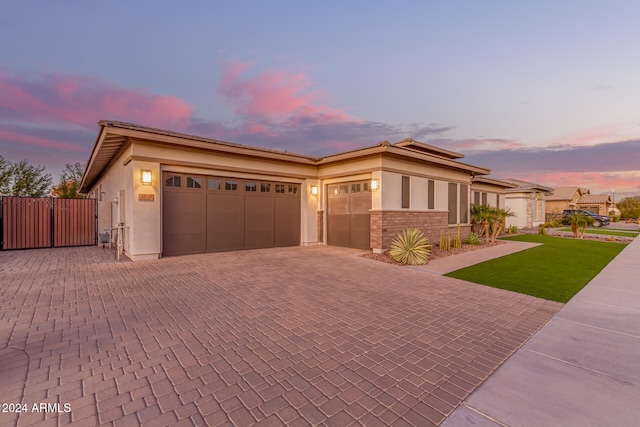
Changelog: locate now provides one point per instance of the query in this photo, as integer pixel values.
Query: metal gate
(47, 222)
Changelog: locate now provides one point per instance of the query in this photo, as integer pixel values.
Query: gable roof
(593, 198)
(525, 186)
(114, 136)
(563, 193)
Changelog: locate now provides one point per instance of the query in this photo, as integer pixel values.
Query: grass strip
(555, 271)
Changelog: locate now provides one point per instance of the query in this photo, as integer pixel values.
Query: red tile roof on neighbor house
(593, 198)
(564, 193)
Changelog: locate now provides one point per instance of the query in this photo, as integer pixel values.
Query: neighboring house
(577, 198)
(489, 191)
(526, 200)
(179, 194)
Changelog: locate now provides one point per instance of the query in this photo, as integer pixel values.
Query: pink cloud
(587, 137)
(275, 95)
(32, 140)
(53, 99)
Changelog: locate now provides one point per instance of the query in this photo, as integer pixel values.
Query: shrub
(411, 247)
(615, 218)
(542, 230)
(513, 229)
(472, 239)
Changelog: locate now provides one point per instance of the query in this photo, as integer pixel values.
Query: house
(527, 202)
(179, 194)
(577, 198)
(489, 191)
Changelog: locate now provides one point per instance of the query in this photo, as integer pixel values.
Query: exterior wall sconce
(145, 177)
(375, 184)
(314, 190)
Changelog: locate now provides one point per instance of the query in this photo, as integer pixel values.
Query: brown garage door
(214, 214)
(348, 217)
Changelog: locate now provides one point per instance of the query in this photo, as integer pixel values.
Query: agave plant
(472, 239)
(411, 247)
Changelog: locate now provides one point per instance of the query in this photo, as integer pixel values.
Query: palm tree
(499, 220)
(578, 222)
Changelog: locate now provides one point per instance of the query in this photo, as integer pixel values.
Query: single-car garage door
(348, 216)
(214, 214)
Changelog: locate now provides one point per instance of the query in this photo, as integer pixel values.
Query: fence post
(1, 223)
(52, 217)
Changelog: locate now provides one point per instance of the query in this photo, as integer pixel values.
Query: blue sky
(545, 91)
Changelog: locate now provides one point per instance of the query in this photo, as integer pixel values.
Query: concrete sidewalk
(581, 369)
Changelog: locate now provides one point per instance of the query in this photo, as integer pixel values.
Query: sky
(545, 91)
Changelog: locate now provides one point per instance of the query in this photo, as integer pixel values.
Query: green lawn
(625, 233)
(556, 271)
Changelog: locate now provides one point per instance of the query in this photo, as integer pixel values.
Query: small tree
(629, 207)
(69, 184)
(578, 223)
(499, 217)
(23, 179)
(5, 176)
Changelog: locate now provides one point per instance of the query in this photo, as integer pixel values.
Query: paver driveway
(295, 336)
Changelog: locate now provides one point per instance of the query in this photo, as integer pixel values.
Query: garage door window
(343, 189)
(280, 188)
(355, 188)
(293, 189)
(194, 182)
(231, 185)
(172, 181)
(214, 184)
(265, 187)
(250, 187)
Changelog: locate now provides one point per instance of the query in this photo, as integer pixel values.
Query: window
(453, 203)
(343, 189)
(497, 200)
(484, 198)
(265, 187)
(279, 188)
(293, 189)
(464, 204)
(366, 187)
(431, 194)
(250, 186)
(405, 192)
(214, 184)
(231, 185)
(333, 189)
(355, 188)
(173, 181)
(194, 182)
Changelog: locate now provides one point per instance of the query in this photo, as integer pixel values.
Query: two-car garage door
(214, 214)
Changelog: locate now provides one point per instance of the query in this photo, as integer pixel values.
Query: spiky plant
(411, 247)
(472, 239)
(457, 243)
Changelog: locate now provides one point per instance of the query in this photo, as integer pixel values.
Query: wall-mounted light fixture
(375, 184)
(145, 177)
(314, 190)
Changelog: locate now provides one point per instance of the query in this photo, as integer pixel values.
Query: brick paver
(292, 336)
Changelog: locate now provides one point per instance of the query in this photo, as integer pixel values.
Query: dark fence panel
(44, 222)
(26, 222)
(74, 222)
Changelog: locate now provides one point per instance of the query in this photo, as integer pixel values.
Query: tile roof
(563, 193)
(593, 198)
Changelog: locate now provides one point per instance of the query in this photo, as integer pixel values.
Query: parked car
(598, 220)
